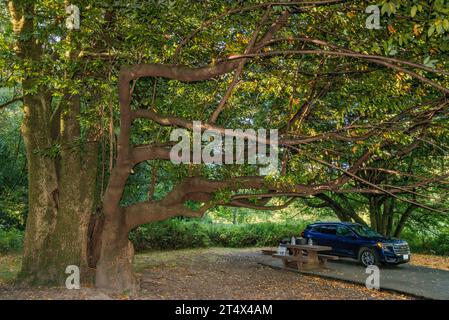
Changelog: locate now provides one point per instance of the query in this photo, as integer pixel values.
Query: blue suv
(359, 242)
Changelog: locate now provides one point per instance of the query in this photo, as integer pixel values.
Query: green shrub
(11, 240)
(435, 244)
(171, 234)
(181, 233)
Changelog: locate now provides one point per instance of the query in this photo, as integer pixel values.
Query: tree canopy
(359, 111)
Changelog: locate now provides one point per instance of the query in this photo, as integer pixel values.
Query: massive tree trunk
(61, 187)
(61, 196)
(42, 188)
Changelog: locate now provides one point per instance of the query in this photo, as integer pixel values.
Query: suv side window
(343, 231)
(331, 230)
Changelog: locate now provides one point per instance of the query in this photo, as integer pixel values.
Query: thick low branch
(144, 212)
(149, 152)
(151, 211)
(177, 72)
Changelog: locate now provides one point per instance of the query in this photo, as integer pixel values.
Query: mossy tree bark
(61, 187)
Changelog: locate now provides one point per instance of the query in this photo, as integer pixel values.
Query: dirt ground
(431, 261)
(214, 273)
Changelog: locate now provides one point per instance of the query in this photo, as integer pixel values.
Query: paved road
(418, 281)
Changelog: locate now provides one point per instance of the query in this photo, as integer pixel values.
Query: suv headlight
(385, 246)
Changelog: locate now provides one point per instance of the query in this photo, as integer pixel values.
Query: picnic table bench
(306, 256)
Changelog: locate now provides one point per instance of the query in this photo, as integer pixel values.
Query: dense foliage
(178, 234)
(13, 178)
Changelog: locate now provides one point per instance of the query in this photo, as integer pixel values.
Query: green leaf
(446, 24)
(392, 8)
(431, 31)
(413, 11)
(428, 62)
(384, 8)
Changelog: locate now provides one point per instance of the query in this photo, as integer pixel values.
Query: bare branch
(383, 58)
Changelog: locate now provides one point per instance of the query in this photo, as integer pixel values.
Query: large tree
(340, 94)
(273, 34)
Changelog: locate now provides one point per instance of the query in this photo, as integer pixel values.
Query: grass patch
(11, 241)
(9, 267)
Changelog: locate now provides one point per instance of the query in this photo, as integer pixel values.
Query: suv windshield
(365, 231)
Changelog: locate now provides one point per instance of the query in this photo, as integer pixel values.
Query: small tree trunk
(404, 218)
(373, 212)
(387, 206)
(389, 223)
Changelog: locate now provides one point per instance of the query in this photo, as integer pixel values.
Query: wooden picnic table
(312, 253)
(312, 260)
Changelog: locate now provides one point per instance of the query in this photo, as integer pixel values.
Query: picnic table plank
(309, 247)
(290, 258)
(313, 259)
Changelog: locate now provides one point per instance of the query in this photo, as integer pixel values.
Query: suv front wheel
(368, 257)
